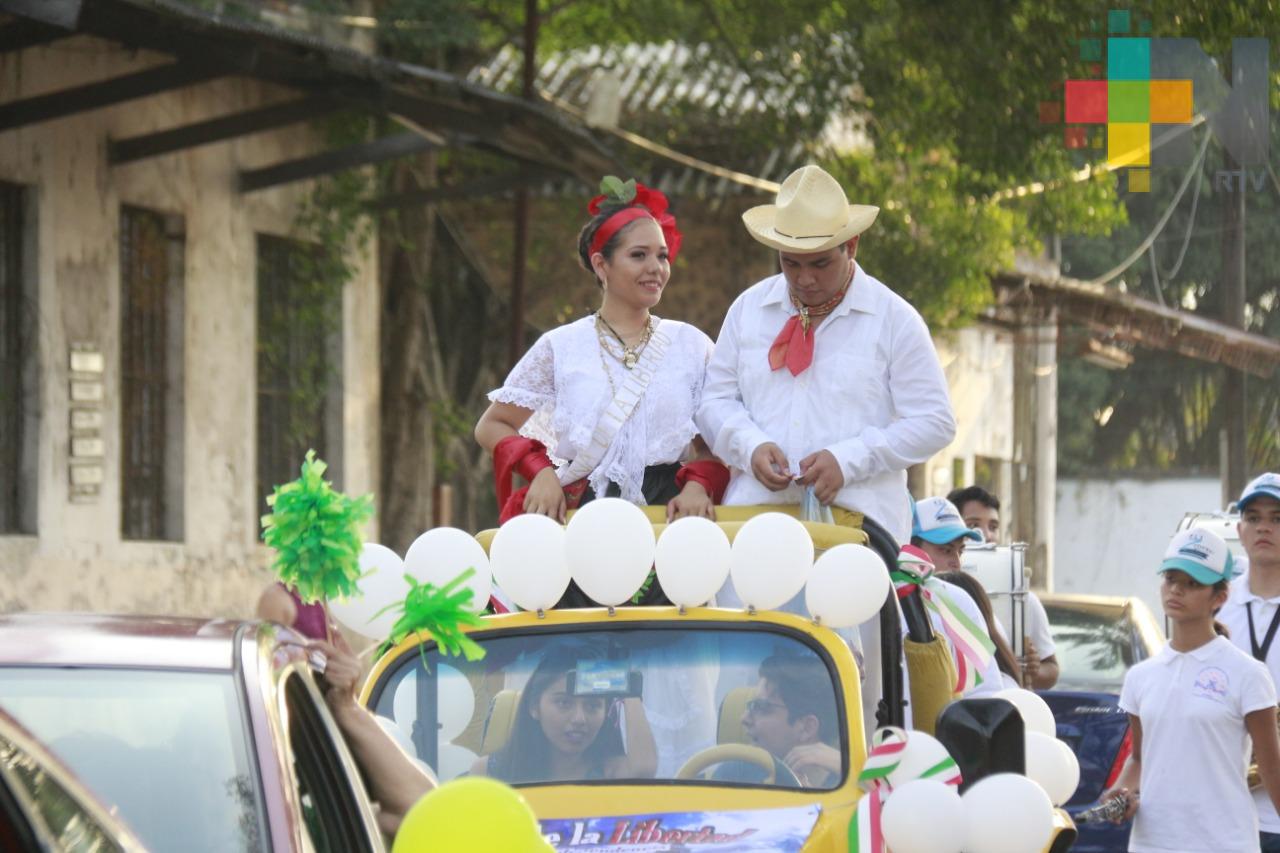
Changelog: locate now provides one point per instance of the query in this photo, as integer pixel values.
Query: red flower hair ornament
(640, 201)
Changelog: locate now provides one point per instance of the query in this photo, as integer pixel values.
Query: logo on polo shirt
(1211, 683)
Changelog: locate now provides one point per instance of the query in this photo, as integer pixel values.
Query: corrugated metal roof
(660, 85)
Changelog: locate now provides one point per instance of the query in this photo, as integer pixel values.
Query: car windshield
(1094, 649)
(167, 749)
(624, 704)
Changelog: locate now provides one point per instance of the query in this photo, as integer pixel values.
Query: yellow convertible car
(663, 728)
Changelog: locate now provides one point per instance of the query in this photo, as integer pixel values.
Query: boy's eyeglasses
(760, 707)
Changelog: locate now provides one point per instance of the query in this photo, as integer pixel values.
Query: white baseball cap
(938, 521)
(1267, 485)
(1200, 553)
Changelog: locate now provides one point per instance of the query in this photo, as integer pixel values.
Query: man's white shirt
(1234, 614)
(875, 396)
(1195, 747)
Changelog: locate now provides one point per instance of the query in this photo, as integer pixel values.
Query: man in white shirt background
(822, 376)
(981, 512)
(1252, 611)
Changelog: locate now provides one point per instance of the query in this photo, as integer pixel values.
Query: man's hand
(822, 471)
(769, 465)
(692, 500)
(1030, 663)
(1132, 801)
(546, 495)
(813, 763)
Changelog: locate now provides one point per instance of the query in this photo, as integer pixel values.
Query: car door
(336, 814)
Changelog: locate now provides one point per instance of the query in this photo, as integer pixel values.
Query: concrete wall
(978, 362)
(1111, 533)
(77, 560)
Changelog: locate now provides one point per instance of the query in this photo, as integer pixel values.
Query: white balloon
(1049, 768)
(442, 553)
(381, 583)
(1036, 715)
(528, 560)
(397, 734)
(922, 752)
(453, 760)
(924, 816)
(455, 702)
(770, 561)
(847, 586)
(692, 560)
(1072, 779)
(1007, 813)
(609, 546)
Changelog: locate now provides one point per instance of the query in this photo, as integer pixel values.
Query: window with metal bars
(151, 374)
(299, 350)
(19, 380)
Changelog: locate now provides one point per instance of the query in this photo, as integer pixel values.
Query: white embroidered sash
(621, 407)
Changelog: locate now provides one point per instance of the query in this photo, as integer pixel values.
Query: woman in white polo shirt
(1193, 709)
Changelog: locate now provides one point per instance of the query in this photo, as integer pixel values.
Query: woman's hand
(692, 500)
(546, 495)
(342, 674)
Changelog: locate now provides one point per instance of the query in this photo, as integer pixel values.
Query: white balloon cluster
(436, 557)
(608, 548)
(772, 561)
(1004, 813)
(1050, 762)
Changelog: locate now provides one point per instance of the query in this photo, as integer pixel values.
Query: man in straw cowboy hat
(822, 376)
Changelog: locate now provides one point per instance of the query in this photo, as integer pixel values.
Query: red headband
(648, 203)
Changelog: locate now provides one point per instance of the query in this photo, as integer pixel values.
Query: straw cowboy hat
(811, 214)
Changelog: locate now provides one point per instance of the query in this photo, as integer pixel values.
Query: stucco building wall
(77, 558)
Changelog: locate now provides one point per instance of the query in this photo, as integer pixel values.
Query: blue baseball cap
(1200, 553)
(1265, 486)
(938, 521)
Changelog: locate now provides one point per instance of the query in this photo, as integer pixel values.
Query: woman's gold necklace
(630, 355)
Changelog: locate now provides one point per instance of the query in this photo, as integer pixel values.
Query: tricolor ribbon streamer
(887, 747)
(974, 649)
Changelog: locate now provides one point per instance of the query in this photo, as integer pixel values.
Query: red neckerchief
(794, 345)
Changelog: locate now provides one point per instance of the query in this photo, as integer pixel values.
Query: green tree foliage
(949, 94)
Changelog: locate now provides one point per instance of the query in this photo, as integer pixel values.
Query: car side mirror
(985, 736)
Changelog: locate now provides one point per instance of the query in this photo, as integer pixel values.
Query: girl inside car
(564, 731)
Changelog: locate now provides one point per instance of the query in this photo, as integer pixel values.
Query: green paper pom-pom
(315, 532)
(439, 612)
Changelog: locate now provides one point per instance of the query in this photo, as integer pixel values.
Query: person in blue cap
(1193, 709)
(1252, 611)
(939, 531)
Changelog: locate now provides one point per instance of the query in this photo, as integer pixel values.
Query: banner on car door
(756, 831)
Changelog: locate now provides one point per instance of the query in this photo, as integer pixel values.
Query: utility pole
(520, 244)
(1235, 416)
(1035, 439)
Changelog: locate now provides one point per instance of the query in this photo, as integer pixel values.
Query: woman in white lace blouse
(604, 406)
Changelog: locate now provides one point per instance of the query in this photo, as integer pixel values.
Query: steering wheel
(776, 772)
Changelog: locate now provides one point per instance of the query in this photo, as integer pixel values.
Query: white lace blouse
(562, 380)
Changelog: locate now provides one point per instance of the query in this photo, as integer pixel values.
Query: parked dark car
(1098, 639)
(45, 808)
(204, 735)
